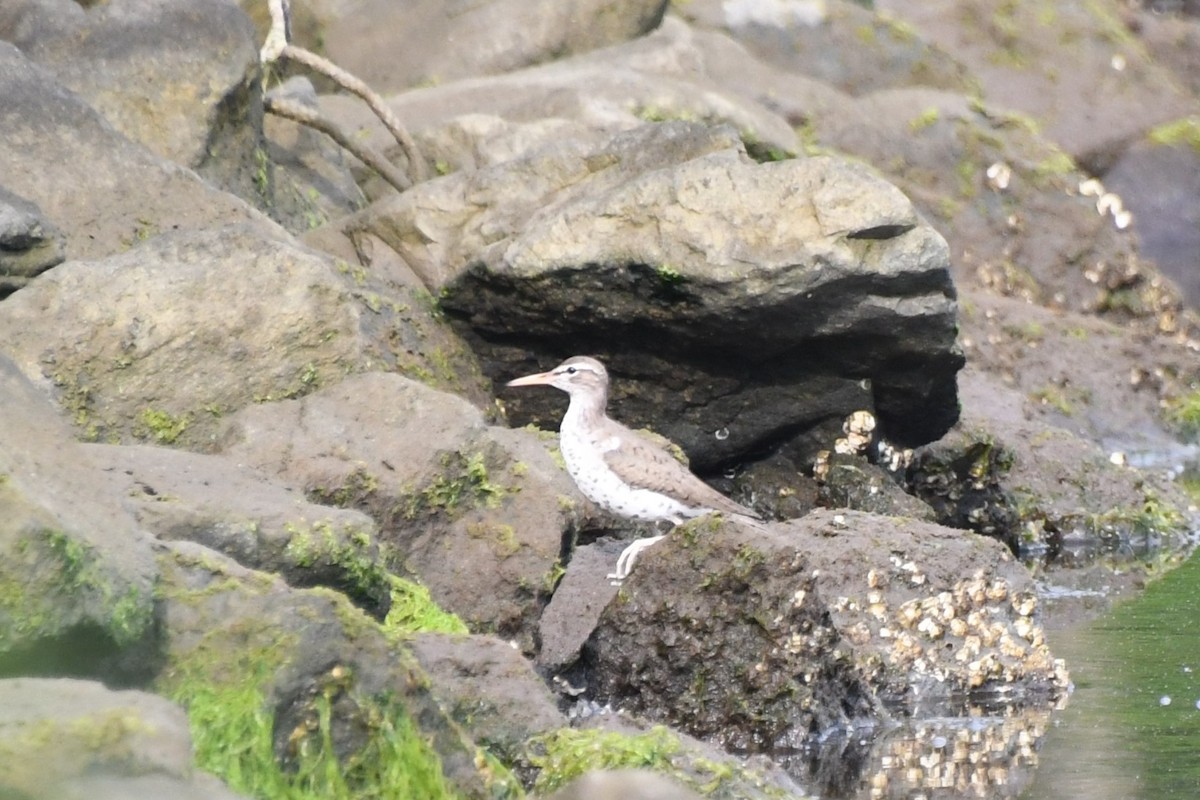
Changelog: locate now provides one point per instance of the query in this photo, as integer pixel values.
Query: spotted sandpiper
(619, 469)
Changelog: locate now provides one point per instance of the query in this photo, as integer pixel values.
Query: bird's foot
(628, 557)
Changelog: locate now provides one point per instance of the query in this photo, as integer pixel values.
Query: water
(1130, 730)
(1117, 738)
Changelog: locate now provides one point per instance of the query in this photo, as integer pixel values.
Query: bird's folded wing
(641, 463)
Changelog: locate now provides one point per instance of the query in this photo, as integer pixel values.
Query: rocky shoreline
(273, 525)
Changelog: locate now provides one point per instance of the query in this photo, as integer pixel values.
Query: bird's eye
(571, 370)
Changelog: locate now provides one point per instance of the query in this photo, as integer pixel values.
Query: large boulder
(180, 77)
(757, 638)
(714, 286)
(77, 575)
(123, 195)
(191, 326)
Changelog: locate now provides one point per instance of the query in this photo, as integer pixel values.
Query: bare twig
(297, 112)
(416, 165)
(277, 46)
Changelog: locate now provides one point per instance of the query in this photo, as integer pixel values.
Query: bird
(621, 470)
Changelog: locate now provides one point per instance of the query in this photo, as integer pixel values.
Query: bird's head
(577, 376)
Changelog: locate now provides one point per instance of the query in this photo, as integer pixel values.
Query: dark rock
(855, 483)
(960, 477)
(103, 744)
(481, 514)
(178, 76)
(774, 487)
(77, 574)
(721, 633)
(757, 639)
(29, 243)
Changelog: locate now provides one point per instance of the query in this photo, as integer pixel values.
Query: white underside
(602, 486)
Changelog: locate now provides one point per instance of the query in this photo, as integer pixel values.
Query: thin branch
(278, 46)
(416, 165)
(297, 112)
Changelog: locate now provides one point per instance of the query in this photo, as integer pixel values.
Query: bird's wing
(643, 463)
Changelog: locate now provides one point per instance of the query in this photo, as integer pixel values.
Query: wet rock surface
(299, 456)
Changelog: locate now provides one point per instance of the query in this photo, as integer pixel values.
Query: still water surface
(1131, 730)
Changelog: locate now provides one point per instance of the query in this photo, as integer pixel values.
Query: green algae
(414, 611)
(50, 567)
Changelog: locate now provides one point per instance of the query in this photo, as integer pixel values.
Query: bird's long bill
(540, 379)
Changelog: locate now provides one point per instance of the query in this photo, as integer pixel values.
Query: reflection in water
(979, 755)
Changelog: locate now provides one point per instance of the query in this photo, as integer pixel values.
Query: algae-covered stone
(77, 575)
(296, 689)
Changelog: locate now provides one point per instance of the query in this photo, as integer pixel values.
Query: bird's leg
(629, 555)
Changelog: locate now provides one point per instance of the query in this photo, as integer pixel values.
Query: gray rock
(838, 42)
(490, 689)
(628, 784)
(264, 318)
(29, 243)
(395, 47)
(181, 77)
(660, 77)
(258, 522)
(1160, 185)
(579, 600)
(1088, 103)
(77, 572)
(101, 743)
(480, 514)
(124, 195)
